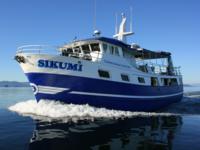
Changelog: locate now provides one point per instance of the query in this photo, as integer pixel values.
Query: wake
(54, 110)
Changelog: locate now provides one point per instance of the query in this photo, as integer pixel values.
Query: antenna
(116, 28)
(96, 32)
(131, 21)
(95, 15)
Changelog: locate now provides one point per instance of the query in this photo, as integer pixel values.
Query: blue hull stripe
(102, 93)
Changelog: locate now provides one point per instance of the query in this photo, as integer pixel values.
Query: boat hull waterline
(108, 94)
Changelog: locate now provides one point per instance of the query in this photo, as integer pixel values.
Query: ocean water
(48, 125)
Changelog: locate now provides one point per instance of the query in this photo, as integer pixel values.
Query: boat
(103, 72)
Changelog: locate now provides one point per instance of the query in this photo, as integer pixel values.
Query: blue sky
(172, 25)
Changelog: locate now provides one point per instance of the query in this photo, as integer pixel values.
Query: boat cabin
(101, 49)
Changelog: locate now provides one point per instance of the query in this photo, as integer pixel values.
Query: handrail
(36, 48)
(45, 49)
(157, 68)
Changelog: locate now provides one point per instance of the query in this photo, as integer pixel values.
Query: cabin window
(77, 49)
(111, 48)
(165, 81)
(154, 81)
(125, 77)
(142, 68)
(104, 74)
(66, 52)
(95, 47)
(86, 49)
(174, 81)
(105, 46)
(180, 81)
(69, 50)
(116, 51)
(141, 80)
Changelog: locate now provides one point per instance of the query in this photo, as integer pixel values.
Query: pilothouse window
(77, 49)
(95, 47)
(86, 49)
(67, 52)
(111, 49)
(116, 51)
(105, 46)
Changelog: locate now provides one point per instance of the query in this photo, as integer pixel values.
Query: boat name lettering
(59, 65)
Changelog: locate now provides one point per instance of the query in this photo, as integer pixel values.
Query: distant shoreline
(13, 84)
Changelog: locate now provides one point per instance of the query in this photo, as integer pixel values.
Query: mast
(122, 34)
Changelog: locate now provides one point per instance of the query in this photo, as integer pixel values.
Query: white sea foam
(50, 110)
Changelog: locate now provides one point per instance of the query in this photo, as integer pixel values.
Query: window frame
(111, 49)
(126, 76)
(117, 51)
(141, 80)
(77, 49)
(105, 47)
(92, 47)
(154, 81)
(105, 71)
(84, 50)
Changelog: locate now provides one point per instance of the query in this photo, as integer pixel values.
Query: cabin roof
(110, 40)
(138, 53)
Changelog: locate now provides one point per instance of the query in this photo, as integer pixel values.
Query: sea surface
(48, 125)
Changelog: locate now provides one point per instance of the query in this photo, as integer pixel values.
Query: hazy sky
(172, 25)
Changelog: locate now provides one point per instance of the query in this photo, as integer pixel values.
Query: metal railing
(177, 71)
(157, 68)
(41, 49)
(45, 49)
